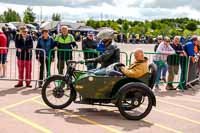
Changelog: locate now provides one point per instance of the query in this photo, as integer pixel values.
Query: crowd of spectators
(171, 54)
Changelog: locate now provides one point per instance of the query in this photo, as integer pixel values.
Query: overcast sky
(111, 9)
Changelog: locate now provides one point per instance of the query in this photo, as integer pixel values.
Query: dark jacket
(47, 45)
(25, 46)
(175, 59)
(110, 56)
(88, 44)
(156, 47)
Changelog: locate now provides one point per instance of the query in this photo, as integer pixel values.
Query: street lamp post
(40, 13)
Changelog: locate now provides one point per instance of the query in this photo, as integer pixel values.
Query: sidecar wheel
(134, 101)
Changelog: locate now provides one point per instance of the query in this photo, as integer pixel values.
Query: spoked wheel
(134, 103)
(56, 93)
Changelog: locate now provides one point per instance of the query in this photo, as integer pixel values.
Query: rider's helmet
(105, 35)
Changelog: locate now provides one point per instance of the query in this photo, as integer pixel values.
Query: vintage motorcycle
(133, 97)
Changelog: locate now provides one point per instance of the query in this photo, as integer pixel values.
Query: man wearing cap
(191, 49)
(110, 55)
(64, 41)
(46, 43)
(24, 44)
(89, 43)
(3, 53)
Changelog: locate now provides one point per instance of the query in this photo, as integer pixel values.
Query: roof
(85, 28)
(104, 28)
(54, 24)
(17, 24)
(31, 26)
(71, 25)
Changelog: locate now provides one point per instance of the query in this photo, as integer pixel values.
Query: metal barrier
(22, 64)
(124, 58)
(193, 73)
(62, 55)
(173, 68)
(182, 69)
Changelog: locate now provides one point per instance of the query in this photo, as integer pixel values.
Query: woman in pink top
(3, 53)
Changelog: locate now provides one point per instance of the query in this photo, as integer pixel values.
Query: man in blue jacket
(191, 48)
(46, 43)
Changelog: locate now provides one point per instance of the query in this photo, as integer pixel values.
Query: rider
(139, 68)
(110, 55)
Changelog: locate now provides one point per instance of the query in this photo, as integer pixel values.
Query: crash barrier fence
(185, 72)
(21, 64)
(60, 57)
(176, 69)
(193, 71)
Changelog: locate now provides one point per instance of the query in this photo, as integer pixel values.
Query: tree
(119, 21)
(29, 15)
(174, 32)
(1, 19)
(137, 30)
(125, 26)
(187, 33)
(165, 27)
(91, 23)
(115, 26)
(134, 23)
(56, 17)
(10, 16)
(197, 32)
(98, 24)
(104, 24)
(191, 26)
(153, 26)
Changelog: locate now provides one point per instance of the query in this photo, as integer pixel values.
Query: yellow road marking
(21, 102)
(181, 106)
(187, 100)
(178, 116)
(162, 126)
(26, 121)
(86, 120)
(153, 123)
